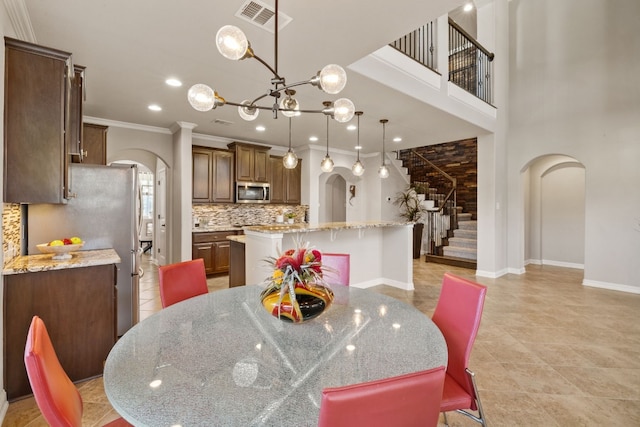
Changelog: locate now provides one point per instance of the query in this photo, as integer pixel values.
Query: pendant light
(358, 168)
(290, 160)
(327, 164)
(383, 172)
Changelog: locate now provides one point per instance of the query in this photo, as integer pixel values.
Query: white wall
(562, 216)
(573, 92)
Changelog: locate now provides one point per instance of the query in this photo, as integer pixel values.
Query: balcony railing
(419, 45)
(469, 63)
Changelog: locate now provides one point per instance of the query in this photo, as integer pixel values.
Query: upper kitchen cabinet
(41, 116)
(94, 144)
(212, 175)
(285, 183)
(252, 162)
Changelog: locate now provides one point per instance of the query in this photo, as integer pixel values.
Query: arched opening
(333, 201)
(554, 210)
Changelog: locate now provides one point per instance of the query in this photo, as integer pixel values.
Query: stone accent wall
(460, 160)
(11, 222)
(244, 214)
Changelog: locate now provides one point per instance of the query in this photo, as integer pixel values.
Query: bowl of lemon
(61, 248)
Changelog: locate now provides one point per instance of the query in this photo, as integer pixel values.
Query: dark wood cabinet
(285, 183)
(78, 306)
(212, 175)
(94, 144)
(42, 115)
(213, 247)
(237, 265)
(252, 162)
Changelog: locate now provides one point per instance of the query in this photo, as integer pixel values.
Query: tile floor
(550, 352)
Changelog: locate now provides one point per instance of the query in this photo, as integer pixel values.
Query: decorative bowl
(59, 252)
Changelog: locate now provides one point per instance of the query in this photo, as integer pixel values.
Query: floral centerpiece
(296, 290)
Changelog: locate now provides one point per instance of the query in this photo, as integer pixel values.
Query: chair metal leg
(445, 419)
(480, 418)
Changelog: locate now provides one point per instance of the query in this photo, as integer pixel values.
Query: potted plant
(412, 210)
(290, 217)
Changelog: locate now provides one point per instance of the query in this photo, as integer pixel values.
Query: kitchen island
(381, 251)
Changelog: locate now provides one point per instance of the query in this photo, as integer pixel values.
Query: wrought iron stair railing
(442, 218)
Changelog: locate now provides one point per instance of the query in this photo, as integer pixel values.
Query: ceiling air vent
(262, 15)
(222, 122)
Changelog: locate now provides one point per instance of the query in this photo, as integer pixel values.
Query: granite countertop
(304, 227)
(240, 238)
(203, 228)
(44, 262)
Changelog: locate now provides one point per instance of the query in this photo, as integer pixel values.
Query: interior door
(160, 243)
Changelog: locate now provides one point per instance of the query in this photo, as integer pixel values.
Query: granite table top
(44, 262)
(221, 359)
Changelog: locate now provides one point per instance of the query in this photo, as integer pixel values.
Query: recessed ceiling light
(173, 82)
(358, 147)
(261, 128)
(352, 127)
(397, 139)
(313, 138)
(468, 7)
(155, 107)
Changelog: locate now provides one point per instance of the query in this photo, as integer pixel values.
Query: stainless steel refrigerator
(105, 214)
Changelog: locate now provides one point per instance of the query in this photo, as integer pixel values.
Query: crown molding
(20, 20)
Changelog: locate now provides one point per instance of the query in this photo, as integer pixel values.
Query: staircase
(464, 242)
(461, 249)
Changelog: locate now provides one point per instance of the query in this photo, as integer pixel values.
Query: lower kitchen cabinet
(213, 247)
(78, 306)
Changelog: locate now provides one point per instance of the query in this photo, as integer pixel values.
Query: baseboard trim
(611, 286)
(563, 264)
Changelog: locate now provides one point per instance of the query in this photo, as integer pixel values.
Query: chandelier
(233, 44)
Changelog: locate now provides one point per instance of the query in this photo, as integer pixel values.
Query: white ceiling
(131, 47)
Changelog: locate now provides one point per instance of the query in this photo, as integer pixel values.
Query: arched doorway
(554, 209)
(333, 206)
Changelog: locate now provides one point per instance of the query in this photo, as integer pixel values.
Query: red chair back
(407, 400)
(339, 268)
(56, 396)
(458, 315)
(181, 281)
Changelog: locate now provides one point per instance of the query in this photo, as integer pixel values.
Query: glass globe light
(248, 113)
(327, 164)
(333, 78)
(383, 172)
(358, 168)
(232, 43)
(289, 103)
(343, 110)
(201, 97)
(290, 160)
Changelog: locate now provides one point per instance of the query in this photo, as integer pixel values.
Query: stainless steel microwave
(253, 192)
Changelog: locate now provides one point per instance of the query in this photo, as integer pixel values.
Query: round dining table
(221, 359)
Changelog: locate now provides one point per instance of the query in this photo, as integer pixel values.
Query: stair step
(464, 216)
(468, 225)
(448, 260)
(466, 234)
(465, 253)
(460, 242)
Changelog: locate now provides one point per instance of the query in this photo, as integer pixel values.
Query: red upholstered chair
(458, 315)
(405, 401)
(339, 268)
(182, 280)
(56, 396)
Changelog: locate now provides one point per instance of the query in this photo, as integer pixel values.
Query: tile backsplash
(244, 214)
(11, 223)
